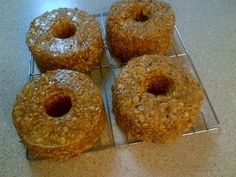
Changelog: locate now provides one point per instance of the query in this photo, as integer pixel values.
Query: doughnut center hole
(140, 17)
(159, 85)
(57, 105)
(63, 29)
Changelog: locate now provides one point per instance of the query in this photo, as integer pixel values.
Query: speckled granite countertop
(209, 32)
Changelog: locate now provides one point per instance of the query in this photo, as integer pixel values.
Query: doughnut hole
(159, 85)
(57, 105)
(140, 17)
(63, 29)
(141, 13)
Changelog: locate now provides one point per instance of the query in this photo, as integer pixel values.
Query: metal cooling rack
(105, 75)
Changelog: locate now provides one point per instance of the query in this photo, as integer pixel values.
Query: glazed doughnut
(59, 114)
(65, 38)
(156, 100)
(135, 28)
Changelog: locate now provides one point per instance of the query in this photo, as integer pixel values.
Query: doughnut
(156, 100)
(59, 114)
(65, 39)
(138, 27)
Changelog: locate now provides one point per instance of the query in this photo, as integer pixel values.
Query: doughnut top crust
(144, 17)
(61, 31)
(135, 28)
(59, 108)
(156, 100)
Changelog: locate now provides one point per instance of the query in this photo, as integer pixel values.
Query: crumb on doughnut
(135, 28)
(65, 38)
(59, 114)
(156, 100)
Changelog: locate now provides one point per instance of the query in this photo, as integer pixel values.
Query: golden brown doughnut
(135, 28)
(156, 100)
(65, 38)
(59, 114)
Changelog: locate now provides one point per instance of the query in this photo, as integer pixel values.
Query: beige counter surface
(209, 33)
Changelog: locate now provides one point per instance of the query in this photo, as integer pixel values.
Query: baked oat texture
(59, 114)
(156, 100)
(65, 38)
(138, 27)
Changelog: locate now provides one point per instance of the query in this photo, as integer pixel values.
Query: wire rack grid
(105, 75)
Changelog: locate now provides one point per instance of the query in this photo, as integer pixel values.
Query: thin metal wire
(107, 51)
(204, 127)
(107, 104)
(110, 63)
(195, 70)
(204, 121)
